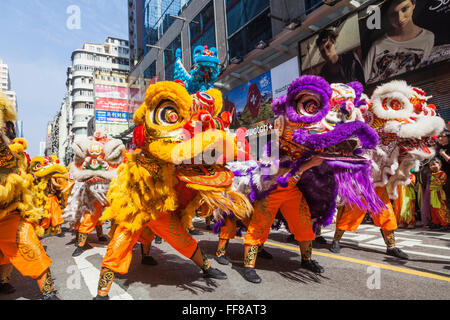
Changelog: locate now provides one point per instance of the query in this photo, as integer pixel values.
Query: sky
(36, 42)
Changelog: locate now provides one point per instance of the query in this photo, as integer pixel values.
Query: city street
(361, 271)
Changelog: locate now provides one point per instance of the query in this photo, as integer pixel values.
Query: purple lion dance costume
(315, 120)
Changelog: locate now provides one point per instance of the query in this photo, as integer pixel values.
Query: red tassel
(139, 136)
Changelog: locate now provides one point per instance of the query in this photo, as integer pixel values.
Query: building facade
(257, 39)
(78, 107)
(5, 87)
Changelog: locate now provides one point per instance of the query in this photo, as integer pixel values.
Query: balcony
(76, 99)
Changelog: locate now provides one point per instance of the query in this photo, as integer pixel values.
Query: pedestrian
(443, 153)
(439, 211)
(405, 204)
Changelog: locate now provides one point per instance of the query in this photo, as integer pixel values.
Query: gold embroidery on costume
(250, 257)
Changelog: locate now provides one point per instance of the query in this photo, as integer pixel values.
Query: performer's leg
(296, 212)
(100, 235)
(146, 239)
(258, 230)
(5, 277)
(117, 259)
(21, 247)
(89, 223)
(169, 227)
(348, 219)
(387, 222)
(319, 238)
(227, 232)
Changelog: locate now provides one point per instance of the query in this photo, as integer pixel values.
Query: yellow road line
(364, 262)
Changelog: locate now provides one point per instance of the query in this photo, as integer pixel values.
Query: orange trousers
(90, 220)
(351, 217)
(55, 214)
(228, 231)
(20, 246)
(293, 207)
(168, 226)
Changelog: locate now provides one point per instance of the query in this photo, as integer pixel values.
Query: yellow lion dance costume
(161, 185)
(19, 218)
(50, 191)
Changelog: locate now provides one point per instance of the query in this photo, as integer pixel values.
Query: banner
(111, 104)
(103, 116)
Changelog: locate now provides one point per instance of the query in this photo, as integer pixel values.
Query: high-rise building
(135, 30)
(78, 106)
(5, 84)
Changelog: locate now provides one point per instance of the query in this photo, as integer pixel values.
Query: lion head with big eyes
(179, 127)
(405, 123)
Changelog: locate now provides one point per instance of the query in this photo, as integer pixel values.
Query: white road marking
(91, 274)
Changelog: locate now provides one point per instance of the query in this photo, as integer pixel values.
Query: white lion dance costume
(95, 165)
(405, 123)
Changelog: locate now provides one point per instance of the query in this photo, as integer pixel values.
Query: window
(169, 58)
(245, 40)
(202, 28)
(240, 12)
(311, 5)
(151, 71)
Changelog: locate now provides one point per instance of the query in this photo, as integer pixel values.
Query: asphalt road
(361, 271)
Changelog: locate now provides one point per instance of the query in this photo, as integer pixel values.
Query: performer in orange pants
(53, 224)
(21, 248)
(228, 232)
(294, 209)
(119, 253)
(348, 219)
(87, 225)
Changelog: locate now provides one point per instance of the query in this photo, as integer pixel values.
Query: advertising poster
(403, 36)
(109, 104)
(251, 102)
(334, 53)
(282, 76)
(113, 92)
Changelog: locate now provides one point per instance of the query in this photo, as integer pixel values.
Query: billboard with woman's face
(399, 36)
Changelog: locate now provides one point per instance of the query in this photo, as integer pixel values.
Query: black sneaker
(396, 252)
(291, 238)
(320, 240)
(51, 296)
(101, 297)
(149, 261)
(103, 238)
(312, 265)
(222, 260)
(78, 251)
(264, 254)
(251, 275)
(434, 226)
(335, 247)
(195, 232)
(6, 288)
(214, 274)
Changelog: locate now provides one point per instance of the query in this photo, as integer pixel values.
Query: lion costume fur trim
(140, 194)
